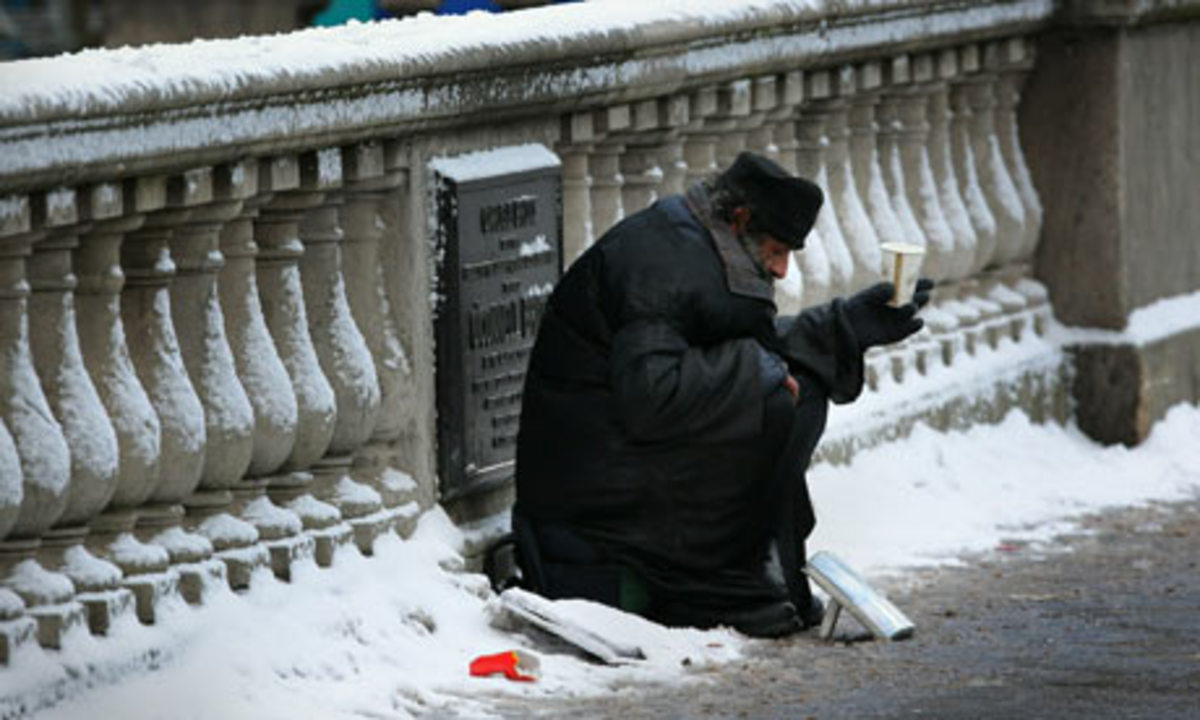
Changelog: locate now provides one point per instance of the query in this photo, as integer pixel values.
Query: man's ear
(740, 219)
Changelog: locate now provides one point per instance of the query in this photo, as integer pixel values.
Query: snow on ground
(393, 635)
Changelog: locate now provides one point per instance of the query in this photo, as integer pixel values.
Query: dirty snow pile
(392, 636)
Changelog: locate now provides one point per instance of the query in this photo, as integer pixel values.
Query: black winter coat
(643, 409)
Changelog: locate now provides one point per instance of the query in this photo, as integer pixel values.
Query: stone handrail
(215, 273)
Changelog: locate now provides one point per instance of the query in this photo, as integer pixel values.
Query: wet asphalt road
(1101, 623)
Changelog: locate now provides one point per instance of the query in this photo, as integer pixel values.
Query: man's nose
(778, 266)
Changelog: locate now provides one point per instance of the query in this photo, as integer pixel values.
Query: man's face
(774, 256)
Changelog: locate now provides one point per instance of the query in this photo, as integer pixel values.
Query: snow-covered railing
(215, 316)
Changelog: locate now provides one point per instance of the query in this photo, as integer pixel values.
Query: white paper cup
(901, 265)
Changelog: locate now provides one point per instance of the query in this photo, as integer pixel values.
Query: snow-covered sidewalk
(392, 635)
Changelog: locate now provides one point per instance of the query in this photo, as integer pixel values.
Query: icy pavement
(392, 635)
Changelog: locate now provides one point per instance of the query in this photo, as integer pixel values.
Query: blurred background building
(32, 28)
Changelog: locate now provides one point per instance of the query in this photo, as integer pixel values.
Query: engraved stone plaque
(499, 248)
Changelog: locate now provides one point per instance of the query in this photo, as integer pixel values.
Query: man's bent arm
(665, 389)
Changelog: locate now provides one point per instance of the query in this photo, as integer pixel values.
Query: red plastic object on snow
(515, 665)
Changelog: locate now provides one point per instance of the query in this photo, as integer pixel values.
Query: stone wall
(1111, 124)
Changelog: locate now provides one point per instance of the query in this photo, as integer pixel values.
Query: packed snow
(393, 635)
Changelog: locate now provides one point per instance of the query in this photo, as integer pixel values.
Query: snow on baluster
(11, 481)
(891, 132)
(154, 347)
(845, 217)
(966, 163)
(200, 326)
(96, 262)
(43, 453)
(867, 159)
(282, 296)
(268, 388)
(89, 433)
(343, 354)
(921, 188)
(949, 185)
(997, 186)
(1008, 96)
(369, 300)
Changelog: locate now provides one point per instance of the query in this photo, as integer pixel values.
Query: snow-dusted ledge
(71, 118)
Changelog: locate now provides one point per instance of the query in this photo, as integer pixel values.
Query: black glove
(875, 322)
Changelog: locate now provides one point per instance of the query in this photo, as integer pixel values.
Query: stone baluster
(812, 138)
(41, 448)
(978, 93)
(276, 230)
(406, 260)
(846, 221)
(16, 630)
(781, 121)
(604, 165)
(999, 184)
(866, 158)
(1016, 59)
(369, 186)
(949, 185)
(343, 353)
(766, 99)
(912, 105)
(114, 211)
(264, 378)
(76, 405)
(154, 346)
(674, 112)
(639, 162)
(966, 164)
(891, 134)
(730, 121)
(215, 198)
(700, 140)
(578, 135)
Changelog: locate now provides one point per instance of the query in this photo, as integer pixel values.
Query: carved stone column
(266, 382)
(42, 450)
(154, 347)
(699, 140)
(76, 405)
(731, 120)
(342, 352)
(369, 188)
(604, 166)
(282, 296)
(912, 105)
(998, 187)
(1015, 61)
(575, 149)
(200, 327)
(97, 264)
(674, 112)
(950, 187)
(891, 132)
(640, 163)
(826, 145)
(866, 158)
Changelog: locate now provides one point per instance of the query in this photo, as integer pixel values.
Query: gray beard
(751, 245)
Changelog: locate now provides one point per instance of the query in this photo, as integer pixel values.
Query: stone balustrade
(216, 295)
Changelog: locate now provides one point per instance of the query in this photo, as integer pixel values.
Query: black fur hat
(780, 203)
